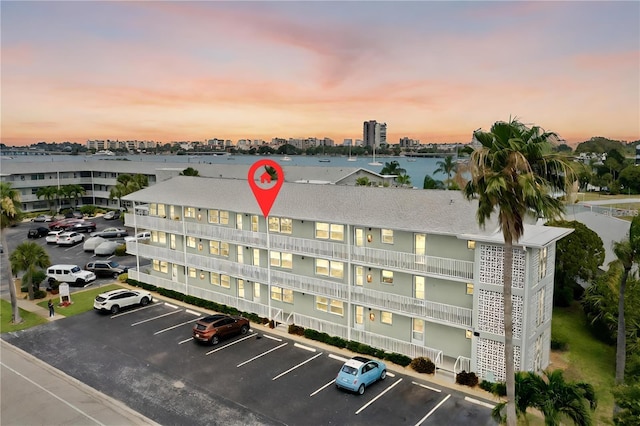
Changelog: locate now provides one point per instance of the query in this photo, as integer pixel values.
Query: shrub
(121, 250)
(559, 344)
(486, 385)
(423, 365)
(467, 379)
(399, 359)
(296, 329)
(89, 210)
(500, 389)
(40, 294)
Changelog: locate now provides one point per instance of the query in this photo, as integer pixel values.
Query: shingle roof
(432, 211)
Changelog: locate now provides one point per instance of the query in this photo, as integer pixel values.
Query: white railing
(308, 247)
(390, 344)
(154, 223)
(440, 312)
(157, 253)
(223, 233)
(462, 364)
(330, 328)
(156, 281)
(310, 285)
(427, 265)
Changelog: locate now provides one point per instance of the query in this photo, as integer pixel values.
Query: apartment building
(402, 270)
(98, 177)
(374, 134)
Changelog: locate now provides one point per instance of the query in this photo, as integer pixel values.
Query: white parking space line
(433, 410)
(261, 355)
(154, 318)
(230, 344)
(339, 358)
(377, 397)
(426, 387)
(323, 387)
(133, 311)
(272, 338)
(189, 311)
(185, 340)
(306, 348)
(477, 401)
(296, 366)
(170, 305)
(176, 326)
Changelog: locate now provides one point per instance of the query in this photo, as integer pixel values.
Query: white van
(71, 274)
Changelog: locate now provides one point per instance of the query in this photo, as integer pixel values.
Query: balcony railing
(390, 344)
(439, 312)
(307, 247)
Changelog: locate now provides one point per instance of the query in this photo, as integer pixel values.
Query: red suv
(215, 327)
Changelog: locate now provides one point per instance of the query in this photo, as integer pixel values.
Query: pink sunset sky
(433, 71)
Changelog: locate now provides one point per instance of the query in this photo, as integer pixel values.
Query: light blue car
(359, 372)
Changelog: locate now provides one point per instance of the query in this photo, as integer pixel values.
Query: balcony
(438, 312)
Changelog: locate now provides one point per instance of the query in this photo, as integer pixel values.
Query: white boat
(374, 162)
(285, 158)
(411, 160)
(104, 152)
(352, 159)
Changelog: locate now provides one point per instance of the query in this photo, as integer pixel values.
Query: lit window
(240, 288)
(156, 265)
(336, 307)
(542, 263)
(471, 245)
(386, 236)
(225, 281)
(337, 269)
(224, 217)
(238, 220)
(540, 313)
(214, 247)
(287, 295)
(322, 303)
(256, 257)
(359, 275)
(322, 267)
(274, 224)
(190, 212)
(359, 237)
(191, 242)
(469, 288)
(359, 315)
(417, 326)
(386, 317)
(214, 216)
(387, 277)
(286, 226)
(215, 278)
(224, 249)
(172, 241)
(420, 243)
(282, 294)
(159, 237)
(322, 230)
(254, 223)
(336, 232)
(418, 291)
(153, 209)
(287, 260)
(274, 258)
(162, 210)
(333, 269)
(164, 267)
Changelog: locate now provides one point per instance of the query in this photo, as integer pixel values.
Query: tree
(190, 171)
(448, 167)
(630, 179)
(578, 257)
(430, 183)
(514, 172)
(75, 191)
(10, 213)
(49, 193)
(553, 396)
(126, 185)
(29, 257)
(363, 181)
(392, 168)
(628, 400)
(403, 180)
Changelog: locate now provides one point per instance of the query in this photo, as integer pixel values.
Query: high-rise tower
(374, 133)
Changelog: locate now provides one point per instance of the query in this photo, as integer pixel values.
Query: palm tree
(126, 185)
(403, 180)
(10, 213)
(28, 257)
(363, 181)
(190, 171)
(448, 167)
(525, 395)
(392, 168)
(75, 191)
(514, 172)
(49, 193)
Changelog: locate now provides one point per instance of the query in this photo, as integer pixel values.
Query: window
(471, 245)
(240, 288)
(214, 247)
(335, 307)
(159, 237)
(238, 220)
(468, 334)
(322, 230)
(359, 275)
(192, 272)
(215, 278)
(256, 257)
(224, 217)
(153, 209)
(164, 267)
(542, 263)
(172, 242)
(224, 249)
(418, 290)
(329, 268)
(239, 255)
(325, 231)
(387, 277)
(274, 224)
(274, 257)
(282, 294)
(162, 212)
(281, 225)
(287, 260)
(540, 313)
(386, 317)
(469, 288)
(156, 265)
(386, 236)
(191, 242)
(359, 237)
(225, 281)
(254, 223)
(256, 290)
(417, 326)
(359, 315)
(213, 216)
(420, 245)
(190, 212)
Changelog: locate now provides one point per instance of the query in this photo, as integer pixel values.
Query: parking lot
(146, 358)
(74, 254)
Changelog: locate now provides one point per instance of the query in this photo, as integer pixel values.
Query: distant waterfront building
(406, 142)
(374, 133)
(637, 154)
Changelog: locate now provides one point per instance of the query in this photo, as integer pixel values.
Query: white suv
(71, 274)
(113, 301)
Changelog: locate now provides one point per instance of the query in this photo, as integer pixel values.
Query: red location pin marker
(265, 185)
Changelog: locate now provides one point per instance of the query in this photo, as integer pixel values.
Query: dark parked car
(104, 268)
(215, 327)
(84, 226)
(113, 214)
(38, 232)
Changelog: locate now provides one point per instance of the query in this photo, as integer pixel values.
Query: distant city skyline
(432, 71)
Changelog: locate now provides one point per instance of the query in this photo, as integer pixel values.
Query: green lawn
(588, 360)
(82, 301)
(29, 319)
